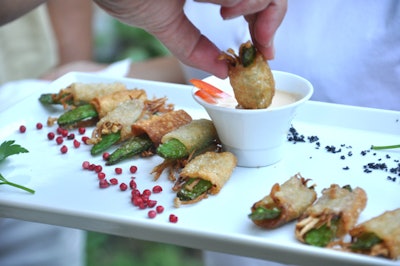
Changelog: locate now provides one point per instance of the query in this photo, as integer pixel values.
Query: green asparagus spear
(320, 237)
(130, 148)
(172, 149)
(78, 114)
(106, 141)
(187, 194)
(248, 54)
(365, 241)
(262, 213)
(51, 98)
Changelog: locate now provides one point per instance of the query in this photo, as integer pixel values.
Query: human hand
(167, 21)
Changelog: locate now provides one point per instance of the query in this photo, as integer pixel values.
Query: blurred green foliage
(120, 41)
(108, 250)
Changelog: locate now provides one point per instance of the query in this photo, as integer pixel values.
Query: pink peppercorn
(22, 129)
(173, 218)
(123, 186)
(152, 214)
(159, 209)
(64, 149)
(50, 135)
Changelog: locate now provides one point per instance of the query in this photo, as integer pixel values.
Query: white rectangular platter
(69, 196)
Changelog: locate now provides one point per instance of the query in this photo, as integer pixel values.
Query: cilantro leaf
(8, 148)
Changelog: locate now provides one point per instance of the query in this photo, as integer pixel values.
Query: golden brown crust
(253, 85)
(212, 166)
(158, 125)
(87, 91)
(119, 119)
(387, 227)
(335, 202)
(107, 103)
(292, 198)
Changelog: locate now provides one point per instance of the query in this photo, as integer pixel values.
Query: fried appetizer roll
(250, 76)
(379, 236)
(285, 203)
(332, 216)
(78, 93)
(107, 103)
(159, 125)
(181, 142)
(119, 120)
(205, 174)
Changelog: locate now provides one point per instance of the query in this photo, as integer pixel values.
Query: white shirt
(349, 50)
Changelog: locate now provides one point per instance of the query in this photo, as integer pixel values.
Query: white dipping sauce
(280, 98)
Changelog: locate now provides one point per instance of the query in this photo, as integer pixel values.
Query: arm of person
(13, 9)
(72, 26)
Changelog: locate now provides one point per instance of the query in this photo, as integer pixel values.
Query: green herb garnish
(8, 148)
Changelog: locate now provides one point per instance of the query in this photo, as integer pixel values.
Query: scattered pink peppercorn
(114, 181)
(173, 218)
(98, 168)
(82, 130)
(85, 165)
(152, 214)
(59, 140)
(118, 170)
(22, 129)
(64, 149)
(157, 189)
(159, 209)
(39, 125)
(103, 183)
(147, 192)
(77, 144)
(132, 184)
(133, 169)
(106, 155)
(101, 175)
(151, 203)
(123, 186)
(71, 136)
(64, 132)
(51, 135)
(85, 139)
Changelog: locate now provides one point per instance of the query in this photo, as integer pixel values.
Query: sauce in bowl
(280, 98)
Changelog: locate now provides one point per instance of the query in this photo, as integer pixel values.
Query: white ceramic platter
(69, 196)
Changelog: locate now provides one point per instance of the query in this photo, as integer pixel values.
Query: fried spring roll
(379, 236)
(250, 76)
(193, 136)
(207, 173)
(85, 92)
(158, 125)
(120, 119)
(107, 103)
(332, 216)
(285, 203)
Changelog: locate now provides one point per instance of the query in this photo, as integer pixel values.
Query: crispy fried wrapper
(119, 119)
(387, 227)
(85, 92)
(292, 198)
(107, 103)
(216, 167)
(253, 84)
(335, 202)
(197, 131)
(159, 125)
